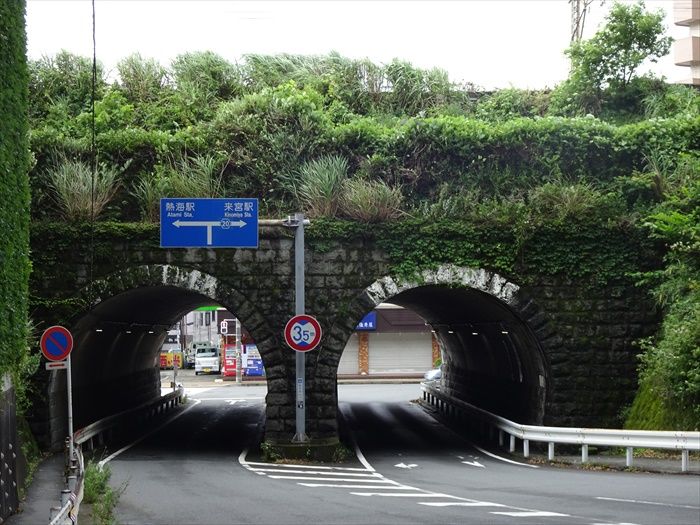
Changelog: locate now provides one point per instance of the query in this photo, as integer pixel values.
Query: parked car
(189, 359)
(433, 375)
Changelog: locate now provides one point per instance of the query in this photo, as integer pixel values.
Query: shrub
(507, 104)
(80, 193)
(318, 184)
(370, 201)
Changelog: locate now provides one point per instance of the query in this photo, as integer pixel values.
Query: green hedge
(14, 185)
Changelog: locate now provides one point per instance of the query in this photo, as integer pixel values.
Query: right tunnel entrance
(490, 357)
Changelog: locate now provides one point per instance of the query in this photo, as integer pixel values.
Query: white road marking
(403, 465)
(530, 514)
(315, 467)
(623, 523)
(364, 480)
(318, 472)
(139, 440)
(398, 487)
(460, 504)
(503, 459)
(642, 502)
(474, 464)
(394, 495)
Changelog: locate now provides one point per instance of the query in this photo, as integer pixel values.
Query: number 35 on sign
(302, 333)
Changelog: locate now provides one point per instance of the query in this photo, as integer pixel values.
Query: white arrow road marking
(473, 464)
(403, 465)
(232, 401)
(209, 225)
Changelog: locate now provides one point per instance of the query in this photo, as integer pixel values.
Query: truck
(207, 359)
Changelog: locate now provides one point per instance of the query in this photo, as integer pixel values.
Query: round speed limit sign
(302, 333)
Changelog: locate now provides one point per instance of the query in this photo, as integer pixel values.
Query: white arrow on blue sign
(208, 223)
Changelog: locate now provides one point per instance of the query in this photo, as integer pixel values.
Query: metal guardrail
(72, 495)
(629, 439)
(96, 430)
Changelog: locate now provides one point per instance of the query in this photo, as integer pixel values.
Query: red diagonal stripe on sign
(51, 338)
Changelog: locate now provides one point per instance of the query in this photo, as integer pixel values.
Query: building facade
(687, 50)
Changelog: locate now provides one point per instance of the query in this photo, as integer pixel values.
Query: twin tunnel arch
(487, 333)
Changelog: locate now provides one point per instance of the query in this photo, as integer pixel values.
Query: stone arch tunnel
(555, 351)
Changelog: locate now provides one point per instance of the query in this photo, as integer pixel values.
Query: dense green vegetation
(605, 151)
(14, 196)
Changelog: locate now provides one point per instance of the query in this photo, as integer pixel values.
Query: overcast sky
(492, 43)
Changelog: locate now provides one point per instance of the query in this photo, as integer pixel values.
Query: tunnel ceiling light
(450, 331)
(504, 332)
(98, 330)
(151, 332)
(475, 333)
(128, 331)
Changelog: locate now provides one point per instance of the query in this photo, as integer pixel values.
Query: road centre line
(642, 502)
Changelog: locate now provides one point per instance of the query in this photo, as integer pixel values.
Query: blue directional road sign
(209, 223)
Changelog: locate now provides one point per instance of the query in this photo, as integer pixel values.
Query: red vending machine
(229, 360)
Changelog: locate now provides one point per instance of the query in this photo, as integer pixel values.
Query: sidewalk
(43, 493)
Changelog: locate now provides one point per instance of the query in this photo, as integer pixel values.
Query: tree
(141, 78)
(62, 85)
(607, 62)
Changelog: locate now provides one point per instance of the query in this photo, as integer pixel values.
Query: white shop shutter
(348, 361)
(400, 353)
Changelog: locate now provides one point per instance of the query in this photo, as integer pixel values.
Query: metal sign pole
(69, 386)
(300, 436)
(239, 361)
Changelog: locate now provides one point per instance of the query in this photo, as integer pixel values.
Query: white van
(207, 360)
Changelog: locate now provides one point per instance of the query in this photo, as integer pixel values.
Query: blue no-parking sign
(56, 343)
(209, 223)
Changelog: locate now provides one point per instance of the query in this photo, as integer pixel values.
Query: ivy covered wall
(14, 233)
(14, 185)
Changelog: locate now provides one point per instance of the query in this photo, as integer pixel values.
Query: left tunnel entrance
(116, 357)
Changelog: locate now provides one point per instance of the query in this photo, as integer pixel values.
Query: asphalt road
(410, 469)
